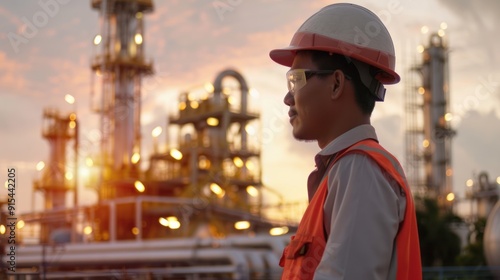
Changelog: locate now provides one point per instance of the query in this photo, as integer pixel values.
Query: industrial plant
(428, 140)
(195, 208)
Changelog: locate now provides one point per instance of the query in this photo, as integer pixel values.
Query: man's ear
(338, 84)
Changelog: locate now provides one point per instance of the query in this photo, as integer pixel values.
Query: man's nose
(288, 99)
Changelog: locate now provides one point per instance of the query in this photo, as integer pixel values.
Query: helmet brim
(308, 41)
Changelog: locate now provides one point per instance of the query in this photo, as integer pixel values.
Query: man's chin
(302, 137)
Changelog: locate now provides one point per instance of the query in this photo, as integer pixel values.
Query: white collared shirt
(362, 213)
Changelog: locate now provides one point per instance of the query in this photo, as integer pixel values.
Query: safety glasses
(297, 78)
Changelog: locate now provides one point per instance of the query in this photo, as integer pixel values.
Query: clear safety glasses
(297, 78)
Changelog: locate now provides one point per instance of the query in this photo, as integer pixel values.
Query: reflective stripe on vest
(302, 256)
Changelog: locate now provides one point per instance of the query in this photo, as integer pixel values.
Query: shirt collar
(344, 141)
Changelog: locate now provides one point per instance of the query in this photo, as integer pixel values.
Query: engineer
(360, 223)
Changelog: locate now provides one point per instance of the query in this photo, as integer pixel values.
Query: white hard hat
(349, 30)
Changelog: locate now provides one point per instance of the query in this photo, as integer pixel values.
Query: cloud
(475, 147)
(12, 73)
(479, 28)
(8, 16)
(200, 37)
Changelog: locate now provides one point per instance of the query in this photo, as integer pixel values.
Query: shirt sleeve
(363, 210)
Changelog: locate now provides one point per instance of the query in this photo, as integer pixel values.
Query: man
(360, 223)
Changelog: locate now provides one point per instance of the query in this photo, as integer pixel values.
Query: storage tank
(491, 240)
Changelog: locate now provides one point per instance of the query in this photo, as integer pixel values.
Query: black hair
(331, 61)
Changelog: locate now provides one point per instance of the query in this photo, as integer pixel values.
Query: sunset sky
(190, 41)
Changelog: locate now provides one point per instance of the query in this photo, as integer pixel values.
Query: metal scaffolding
(119, 68)
(428, 129)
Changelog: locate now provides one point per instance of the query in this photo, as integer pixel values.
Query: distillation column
(119, 67)
(57, 179)
(437, 129)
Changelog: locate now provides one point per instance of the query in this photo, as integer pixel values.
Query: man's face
(309, 105)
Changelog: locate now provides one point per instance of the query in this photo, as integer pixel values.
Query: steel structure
(119, 67)
(428, 129)
(58, 177)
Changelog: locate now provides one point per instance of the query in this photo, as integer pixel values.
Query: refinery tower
(428, 128)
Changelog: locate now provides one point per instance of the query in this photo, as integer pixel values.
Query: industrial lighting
(252, 191)
(194, 104)
(69, 98)
(40, 165)
(89, 162)
(421, 90)
(450, 197)
(278, 231)
(176, 154)
(182, 106)
(448, 117)
(216, 189)
(138, 39)
(85, 172)
(135, 158)
(133, 49)
(204, 162)
(209, 87)
(163, 221)
(97, 39)
(420, 49)
(250, 165)
(174, 224)
(204, 96)
(139, 186)
(449, 172)
(443, 25)
(212, 121)
(68, 175)
(241, 225)
(469, 183)
(2, 229)
(87, 230)
(171, 222)
(156, 131)
(250, 129)
(238, 162)
(118, 46)
(425, 143)
(20, 224)
(135, 230)
(254, 92)
(424, 29)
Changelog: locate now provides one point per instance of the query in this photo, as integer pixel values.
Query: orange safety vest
(302, 256)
